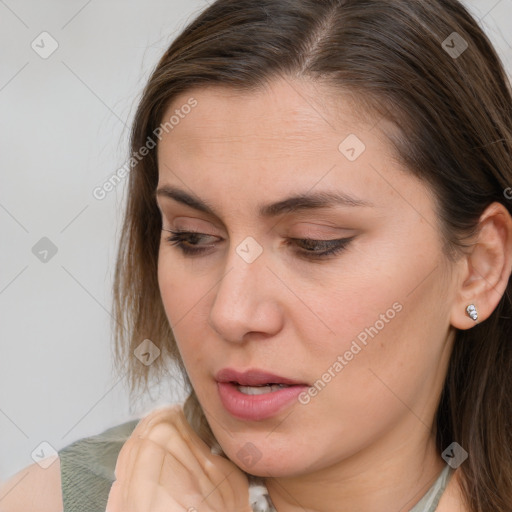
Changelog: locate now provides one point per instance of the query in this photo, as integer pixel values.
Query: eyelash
(335, 246)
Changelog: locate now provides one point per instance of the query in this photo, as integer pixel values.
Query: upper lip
(253, 377)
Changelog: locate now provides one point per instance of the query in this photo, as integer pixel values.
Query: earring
(472, 313)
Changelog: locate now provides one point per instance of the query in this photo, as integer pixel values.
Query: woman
(318, 231)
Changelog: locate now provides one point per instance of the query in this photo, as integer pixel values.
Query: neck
(391, 476)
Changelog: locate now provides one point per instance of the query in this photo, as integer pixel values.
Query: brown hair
(454, 120)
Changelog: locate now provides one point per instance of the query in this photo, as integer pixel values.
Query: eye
(188, 243)
(317, 249)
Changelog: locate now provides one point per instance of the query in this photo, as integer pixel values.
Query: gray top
(87, 472)
(87, 468)
(431, 499)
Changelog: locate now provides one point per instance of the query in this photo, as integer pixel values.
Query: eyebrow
(295, 203)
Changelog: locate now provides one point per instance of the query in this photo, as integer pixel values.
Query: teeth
(260, 390)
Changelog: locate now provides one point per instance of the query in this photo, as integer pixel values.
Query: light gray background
(64, 130)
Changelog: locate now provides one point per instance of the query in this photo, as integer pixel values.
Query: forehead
(288, 137)
(286, 128)
(280, 116)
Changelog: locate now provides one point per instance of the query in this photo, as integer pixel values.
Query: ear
(486, 269)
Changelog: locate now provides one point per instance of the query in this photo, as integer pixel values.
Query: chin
(269, 471)
(252, 460)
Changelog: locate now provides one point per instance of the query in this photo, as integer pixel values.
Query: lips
(254, 377)
(238, 395)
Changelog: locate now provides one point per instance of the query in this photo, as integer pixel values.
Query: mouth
(255, 378)
(256, 394)
(259, 390)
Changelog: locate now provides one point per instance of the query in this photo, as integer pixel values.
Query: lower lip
(256, 407)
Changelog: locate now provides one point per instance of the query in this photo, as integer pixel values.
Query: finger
(158, 477)
(122, 500)
(128, 456)
(167, 435)
(124, 464)
(160, 501)
(169, 428)
(114, 502)
(221, 473)
(129, 452)
(180, 464)
(175, 420)
(213, 474)
(175, 479)
(160, 426)
(145, 474)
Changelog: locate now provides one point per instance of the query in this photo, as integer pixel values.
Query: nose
(247, 299)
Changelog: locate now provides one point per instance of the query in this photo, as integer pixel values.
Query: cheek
(378, 319)
(170, 287)
(183, 298)
(180, 290)
(353, 311)
(388, 351)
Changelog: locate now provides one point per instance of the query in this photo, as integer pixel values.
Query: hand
(165, 467)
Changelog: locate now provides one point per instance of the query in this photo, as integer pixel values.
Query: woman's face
(366, 329)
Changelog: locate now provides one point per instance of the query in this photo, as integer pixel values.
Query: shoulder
(33, 488)
(80, 479)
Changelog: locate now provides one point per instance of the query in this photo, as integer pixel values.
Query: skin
(165, 466)
(366, 441)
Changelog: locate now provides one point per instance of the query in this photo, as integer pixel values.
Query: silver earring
(472, 313)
